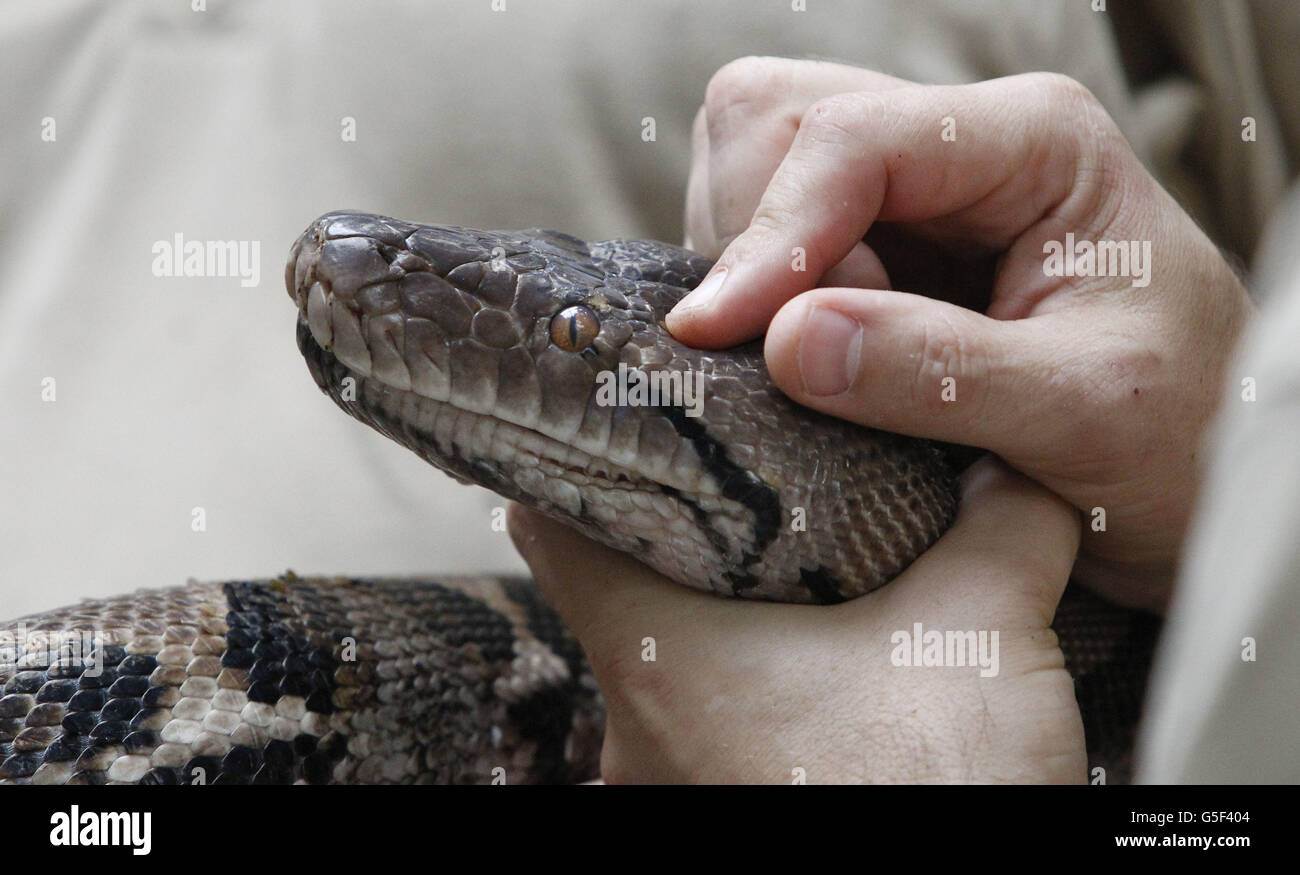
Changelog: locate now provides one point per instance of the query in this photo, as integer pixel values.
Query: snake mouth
(470, 446)
(387, 317)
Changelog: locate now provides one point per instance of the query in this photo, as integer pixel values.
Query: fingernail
(829, 351)
(704, 293)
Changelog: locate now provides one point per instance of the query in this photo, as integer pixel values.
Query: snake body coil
(490, 354)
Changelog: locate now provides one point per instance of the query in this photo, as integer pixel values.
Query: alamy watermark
(1130, 258)
(209, 258)
(124, 829)
(950, 649)
(45, 648)
(634, 387)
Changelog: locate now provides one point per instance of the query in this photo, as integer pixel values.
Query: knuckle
(1104, 167)
(943, 354)
(750, 85)
(839, 118)
(1058, 90)
(775, 230)
(1068, 102)
(771, 218)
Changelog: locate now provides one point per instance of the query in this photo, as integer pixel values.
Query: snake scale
(483, 352)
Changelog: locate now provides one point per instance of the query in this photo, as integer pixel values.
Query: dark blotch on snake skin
(463, 620)
(102, 681)
(67, 668)
(88, 700)
(129, 687)
(65, 749)
(236, 657)
(111, 655)
(545, 715)
(823, 585)
(57, 691)
(241, 761)
(280, 661)
(316, 769)
(24, 682)
(123, 710)
(110, 732)
(161, 777)
(738, 485)
(138, 665)
(201, 770)
(547, 626)
(21, 765)
(80, 722)
(142, 741)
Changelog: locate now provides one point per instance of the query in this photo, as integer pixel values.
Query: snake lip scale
(481, 351)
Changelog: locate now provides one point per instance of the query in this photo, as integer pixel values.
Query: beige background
(176, 393)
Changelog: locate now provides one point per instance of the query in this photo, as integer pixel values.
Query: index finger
(751, 115)
(1015, 157)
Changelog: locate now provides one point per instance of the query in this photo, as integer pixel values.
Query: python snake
(484, 352)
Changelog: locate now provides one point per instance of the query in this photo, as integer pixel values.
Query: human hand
(753, 691)
(1096, 386)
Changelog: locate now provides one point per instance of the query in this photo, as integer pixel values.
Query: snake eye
(574, 328)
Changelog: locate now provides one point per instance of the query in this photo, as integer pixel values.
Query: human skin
(1094, 389)
(754, 691)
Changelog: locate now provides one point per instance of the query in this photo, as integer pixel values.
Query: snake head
(492, 355)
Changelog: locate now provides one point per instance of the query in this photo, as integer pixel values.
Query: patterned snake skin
(484, 352)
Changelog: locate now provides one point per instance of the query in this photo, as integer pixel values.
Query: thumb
(919, 366)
